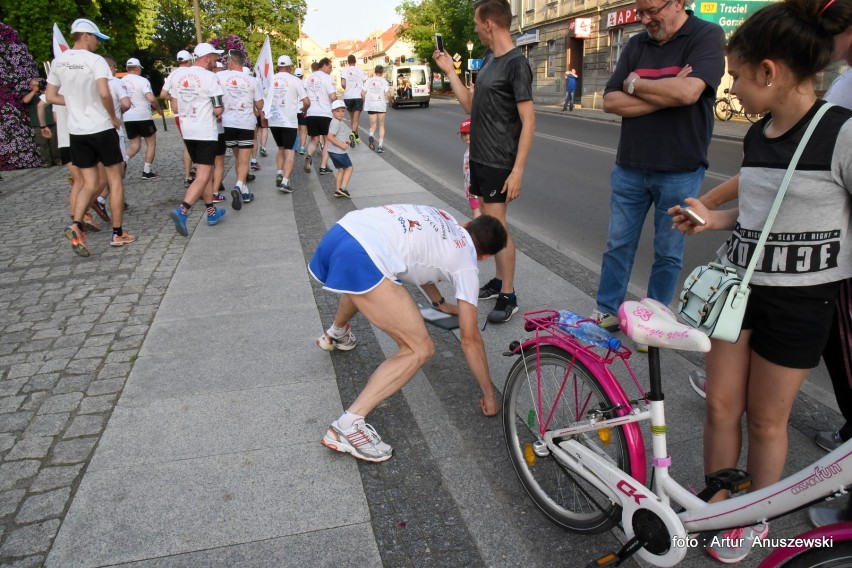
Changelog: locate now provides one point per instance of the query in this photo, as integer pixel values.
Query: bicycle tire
(563, 496)
(753, 117)
(837, 556)
(723, 109)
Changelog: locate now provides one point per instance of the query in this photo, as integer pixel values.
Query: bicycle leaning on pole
(574, 440)
(728, 106)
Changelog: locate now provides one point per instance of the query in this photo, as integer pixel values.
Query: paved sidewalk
(162, 404)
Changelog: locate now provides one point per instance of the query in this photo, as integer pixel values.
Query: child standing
(473, 200)
(338, 144)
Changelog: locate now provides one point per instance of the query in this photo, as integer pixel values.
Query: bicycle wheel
(723, 109)
(564, 496)
(837, 556)
(753, 117)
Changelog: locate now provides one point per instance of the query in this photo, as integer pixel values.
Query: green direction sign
(729, 15)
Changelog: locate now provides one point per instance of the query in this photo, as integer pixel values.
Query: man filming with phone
(501, 104)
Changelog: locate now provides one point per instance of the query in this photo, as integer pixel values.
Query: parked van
(411, 85)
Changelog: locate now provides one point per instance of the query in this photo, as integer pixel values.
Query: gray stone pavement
(161, 404)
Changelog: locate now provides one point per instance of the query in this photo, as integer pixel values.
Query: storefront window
(551, 58)
(616, 37)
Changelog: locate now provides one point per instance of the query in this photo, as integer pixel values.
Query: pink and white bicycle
(574, 440)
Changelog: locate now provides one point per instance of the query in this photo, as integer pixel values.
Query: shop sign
(621, 17)
(581, 27)
(527, 38)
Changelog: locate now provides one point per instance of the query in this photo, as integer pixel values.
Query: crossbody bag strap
(776, 205)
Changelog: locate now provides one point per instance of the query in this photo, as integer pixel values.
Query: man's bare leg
(505, 259)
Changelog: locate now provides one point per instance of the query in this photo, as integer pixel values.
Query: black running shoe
(100, 209)
(323, 171)
(504, 309)
(491, 289)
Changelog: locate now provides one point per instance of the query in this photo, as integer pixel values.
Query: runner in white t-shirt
(377, 93)
(353, 79)
(83, 78)
(243, 98)
(184, 59)
(321, 91)
(365, 257)
(198, 96)
(284, 99)
(137, 120)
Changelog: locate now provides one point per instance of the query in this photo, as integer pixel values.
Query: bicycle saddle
(650, 322)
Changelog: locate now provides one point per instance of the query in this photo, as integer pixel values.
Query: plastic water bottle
(587, 331)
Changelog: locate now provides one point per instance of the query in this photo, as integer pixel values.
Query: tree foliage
(253, 20)
(452, 18)
(17, 67)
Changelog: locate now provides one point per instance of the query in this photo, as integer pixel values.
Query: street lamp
(469, 57)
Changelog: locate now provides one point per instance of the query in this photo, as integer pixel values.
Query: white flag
(59, 43)
(263, 67)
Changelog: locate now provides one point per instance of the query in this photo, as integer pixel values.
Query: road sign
(457, 65)
(729, 15)
(456, 57)
(474, 64)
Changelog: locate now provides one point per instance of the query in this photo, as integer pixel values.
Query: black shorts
(790, 324)
(202, 152)
(239, 137)
(221, 145)
(376, 112)
(487, 182)
(137, 128)
(65, 155)
(284, 137)
(354, 104)
(87, 150)
(317, 125)
(300, 119)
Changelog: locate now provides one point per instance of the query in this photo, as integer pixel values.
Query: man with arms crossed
(286, 95)
(664, 84)
(137, 120)
(83, 77)
(503, 124)
(366, 257)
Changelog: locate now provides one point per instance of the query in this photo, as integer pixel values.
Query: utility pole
(197, 12)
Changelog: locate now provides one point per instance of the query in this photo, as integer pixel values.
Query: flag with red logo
(59, 43)
(263, 67)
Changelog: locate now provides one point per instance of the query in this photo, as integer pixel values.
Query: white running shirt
(284, 100)
(241, 91)
(319, 86)
(118, 92)
(76, 72)
(193, 87)
(137, 87)
(376, 97)
(417, 244)
(354, 82)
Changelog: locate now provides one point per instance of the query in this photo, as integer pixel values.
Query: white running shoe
(698, 382)
(344, 343)
(362, 441)
(732, 546)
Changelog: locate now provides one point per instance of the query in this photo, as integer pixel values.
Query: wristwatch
(438, 303)
(631, 86)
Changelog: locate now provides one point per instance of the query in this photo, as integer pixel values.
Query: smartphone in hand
(693, 216)
(439, 42)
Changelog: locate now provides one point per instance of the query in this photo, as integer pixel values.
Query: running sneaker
(251, 177)
(279, 177)
(732, 546)
(698, 382)
(89, 223)
(357, 139)
(302, 150)
(823, 516)
(247, 197)
(606, 320)
(504, 309)
(342, 193)
(308, 161)
(263, 152)
(179, 217)
(100, 209)
(491, 289)
(323, 171)
(77, 238)
(828, 441)
(285, 188)
(344, 343)
(218, 197)
(119, 241)
(237, 200)
(351, 139)
(362, 441)
(149, 175)
(192, 171)
(371, 142)
(188, 182)
(216, 217)
(254, 165)
(380, 150)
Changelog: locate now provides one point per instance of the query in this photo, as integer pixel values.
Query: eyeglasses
(653, 12)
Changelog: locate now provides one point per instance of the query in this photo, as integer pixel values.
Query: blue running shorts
(342, 265)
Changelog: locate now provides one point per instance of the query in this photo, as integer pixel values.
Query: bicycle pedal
(730, 479)
(630, 548)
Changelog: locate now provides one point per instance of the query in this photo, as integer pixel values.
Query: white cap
(133, 62)
(246, 70)
(203, 49)
(338, 104)
(183, 56)
(299, 72)
(83, 25)
(285, 61)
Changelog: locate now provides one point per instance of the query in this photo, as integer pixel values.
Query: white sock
(101, 199)
(240, 186)
(347, 419)
(280, 172)
(285, 180)
(371, 133)
(146, 168)
(381, 141)
(336, 332)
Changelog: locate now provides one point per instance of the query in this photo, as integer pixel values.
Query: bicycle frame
(829, 475)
